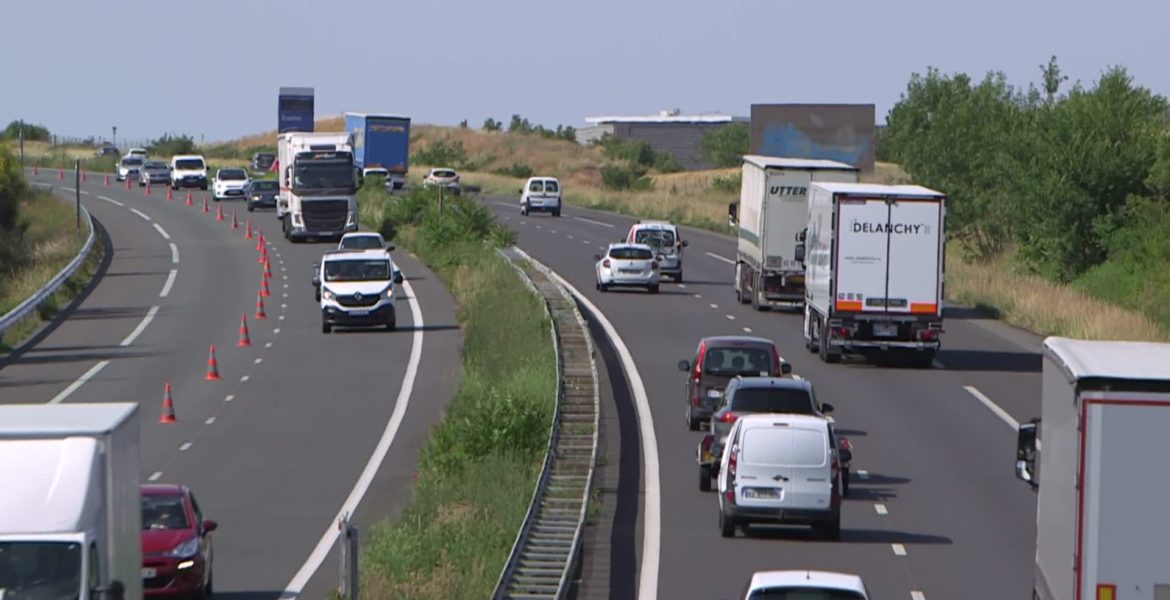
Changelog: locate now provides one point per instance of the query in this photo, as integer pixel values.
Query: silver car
(154, 172)
(129, 167)
(627, 265)
(447, 179)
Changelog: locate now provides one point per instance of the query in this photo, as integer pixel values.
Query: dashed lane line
(174, 253)
(155, 476)
(595, 222)
(140, 213)
(141, 326)
(917, 595)
(166, 291)
(229, 397)
(992, 406)
(881, 509)
(730, 317)
(86, 376)
(899, 549)
(185, 447)
(162, 232)
(210, 421)
(747, 329)
(713, 305)
(721, 258)
(112, 201)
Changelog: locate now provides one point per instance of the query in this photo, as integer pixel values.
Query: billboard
(840, 132)
(294, 110)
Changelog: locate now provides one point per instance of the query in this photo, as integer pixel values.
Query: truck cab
(318, 185)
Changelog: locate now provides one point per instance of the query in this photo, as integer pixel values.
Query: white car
(129, 167)
(627, 265)
(664, 237)
(444, 178)
(231, 183)
(821, 585)
(139, 152)
(356, 289)
(541, 194)
(188, 170)
(364, 240)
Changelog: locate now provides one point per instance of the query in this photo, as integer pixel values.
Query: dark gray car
(154, 172)
(262, 193)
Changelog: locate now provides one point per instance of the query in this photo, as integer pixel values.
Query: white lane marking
(652, 499)
(899, 549)
(229, 397)
(863, 474)
(539, 227)
(86, 376)
(244, 378)
(747, 329)
(141, 326)
(313, 562)
(283, 305)
(992, 406)
(601, 223)
(280, 318)
(185, 447)
(917, 595)
(154, 476)
(881, 509)
(140, 213)
(277, 330)
(682, 286)
(174, 253)
(586, 242)
(268, 345)
(718, 257)
(713, 305)
(937, 364)
(170, 282)
(730, 317)
(284, 294)
(570, 235)
(111, 201)
(162, 232)
(697, 295)
(210, 420)
(258, 360)
(553, 230)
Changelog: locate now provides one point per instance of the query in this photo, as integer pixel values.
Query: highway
(934, 511)
(300, 425)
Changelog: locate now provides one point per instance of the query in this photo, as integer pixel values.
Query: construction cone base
(212, 366)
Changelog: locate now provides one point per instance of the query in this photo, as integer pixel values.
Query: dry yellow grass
(1045, 308)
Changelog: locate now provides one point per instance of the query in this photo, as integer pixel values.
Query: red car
(176, 545)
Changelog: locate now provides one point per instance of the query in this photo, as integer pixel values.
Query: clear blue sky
(81, 66)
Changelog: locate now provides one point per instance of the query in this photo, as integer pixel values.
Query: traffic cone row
(170, 193)
(260, 314)
(264, 286)
(106, 180)
(127, 180)
(235, 222)
(263, 254)
(212, 366)
(83, 175)
(60, 173)
(245, 339)
(267, 270)
(218, 212)
(189, 200)
(168, 407)
(35, 169)
(205, 203)
(147, 192)
(260, 238)
(248, 229)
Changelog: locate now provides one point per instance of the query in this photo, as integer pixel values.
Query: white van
(781, 469)
(542, 194)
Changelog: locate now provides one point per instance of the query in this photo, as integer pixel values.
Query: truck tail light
(928, 335)
(841, 332)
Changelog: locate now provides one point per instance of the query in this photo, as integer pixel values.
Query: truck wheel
(556, 212)
(326, 327)
(755, 298)
(251, 208)
(811, 344)
(391, 325)
(704, 478)
(823, 345)
(678, 278)
(654, 289)
(925, 360)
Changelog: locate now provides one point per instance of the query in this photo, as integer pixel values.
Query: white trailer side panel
(1056, 500)
(751, 211)
(125, 518)
(1125, 537)
(818, 260)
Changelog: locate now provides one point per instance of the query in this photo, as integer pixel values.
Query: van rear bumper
(780, 516)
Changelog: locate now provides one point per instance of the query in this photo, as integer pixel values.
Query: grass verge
(29, 260)
(476, 472)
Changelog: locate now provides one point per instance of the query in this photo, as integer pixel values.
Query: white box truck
(772, 210)
(70, 513)
(874, 271)
(1101, 526)
(318, 185)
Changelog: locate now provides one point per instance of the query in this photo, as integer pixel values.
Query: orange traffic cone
(205, 203)
(263, 254)
(212, 366)
(168, 407)
(170, 193)
(264, 286)
(147, 188)
(189, 200)
(105, 182)
(60, 173)
(127, 180)
(267, 269)
(83, 174)
(218, 212)
(259, 238)
(235, 222)
(245, 339)
(260, 314)
(248, 229)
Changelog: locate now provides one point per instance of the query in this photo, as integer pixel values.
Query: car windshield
(630, 253)
(444, 174)
(361, 242)
(189, 164)
(551, 186)
(772, 400)
(323, 175)
(232, 175)
(155, 164)
(266, 185)
(164, 512)
(132, 162)
(34, 570)
(655, 237)
(357, 270)
(804, 593)
(728, 362)
(265, 157)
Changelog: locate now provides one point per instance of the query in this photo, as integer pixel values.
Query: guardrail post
(77, 189)
(349, 579)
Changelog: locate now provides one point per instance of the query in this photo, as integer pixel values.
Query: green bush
(32, 133)
(443, 153)
(621, 177)
(12, 188)
(516, 169)
(171, 145)
(664, 163)
(725, 147)
(731, 183)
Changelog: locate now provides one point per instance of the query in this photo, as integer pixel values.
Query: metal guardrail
(23, 309)
(548, 546)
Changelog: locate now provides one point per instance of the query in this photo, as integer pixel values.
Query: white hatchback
(822, 585)
(627, 265)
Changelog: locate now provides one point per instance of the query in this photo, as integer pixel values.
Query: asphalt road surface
(276, 447)
(934, 511)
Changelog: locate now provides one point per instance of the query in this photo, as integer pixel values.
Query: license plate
(359, 313)
(631, 270)
(885, 329)
(147, 573)
(761, 494)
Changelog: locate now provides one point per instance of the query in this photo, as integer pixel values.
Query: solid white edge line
(992, 406)
(652, 508)
(718, 257)
(174, 253)
(917, 595)
(170, 283)
(140, 213)
(86, 376)
(162, 232)
(111, 201)
(881, 509)
(899, 549)
(329, 538)
(601, 223)
(141, 327)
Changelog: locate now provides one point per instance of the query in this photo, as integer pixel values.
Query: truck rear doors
(889, 255)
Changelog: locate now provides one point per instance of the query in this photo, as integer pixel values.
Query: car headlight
(328, 295)
(186, 549)
(716, 394)
(389, 293)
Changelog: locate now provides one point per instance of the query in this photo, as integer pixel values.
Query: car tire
(704, 478)
(726, 525)
(678, 278)
(845, 482)
(523, 210)
(326, 327)
(556, 212)
(654, 289)
(692, 422)
(209, 589)
(828, 530)
(203, 186)
(251, 208)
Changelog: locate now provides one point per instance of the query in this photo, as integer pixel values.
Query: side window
(535, 186)
(95, 567)
(198, 511)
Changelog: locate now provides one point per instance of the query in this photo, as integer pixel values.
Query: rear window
(156, 164)
(732, 361)
(803, 593)
(233, 174)
(784, 447)
(444, 173)
(769, 400)
(631, 254)
(551, 186)
(189, 164)
(265, 185)
(655, 237)
(132, 162)
(361, 242)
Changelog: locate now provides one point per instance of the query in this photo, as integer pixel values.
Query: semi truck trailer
(318, 185)
(1101, 530)
(381, 142)
(70, 514)
(772, 210)
(874, 271)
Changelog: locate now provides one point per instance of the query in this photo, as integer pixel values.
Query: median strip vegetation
(476, 472)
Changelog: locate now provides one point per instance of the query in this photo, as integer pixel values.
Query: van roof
(186, 156)
(377, 253)
(1136, 361)
(781, 162)
(539, 178)
(879, 189)
(62, 420)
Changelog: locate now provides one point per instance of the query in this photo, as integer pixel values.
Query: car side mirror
(390, 247)
(398, 277)
(800, 236)
(798, 253)
(209, 526)
(826, 408)
(686, 243)
(684, 366)
(596, 257)
(785, 369)
(732, 213)
(116, 590)
(1026, 438)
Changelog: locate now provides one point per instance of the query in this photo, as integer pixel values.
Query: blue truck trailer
(381, 142)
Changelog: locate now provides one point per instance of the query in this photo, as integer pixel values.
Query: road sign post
(77, 189)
